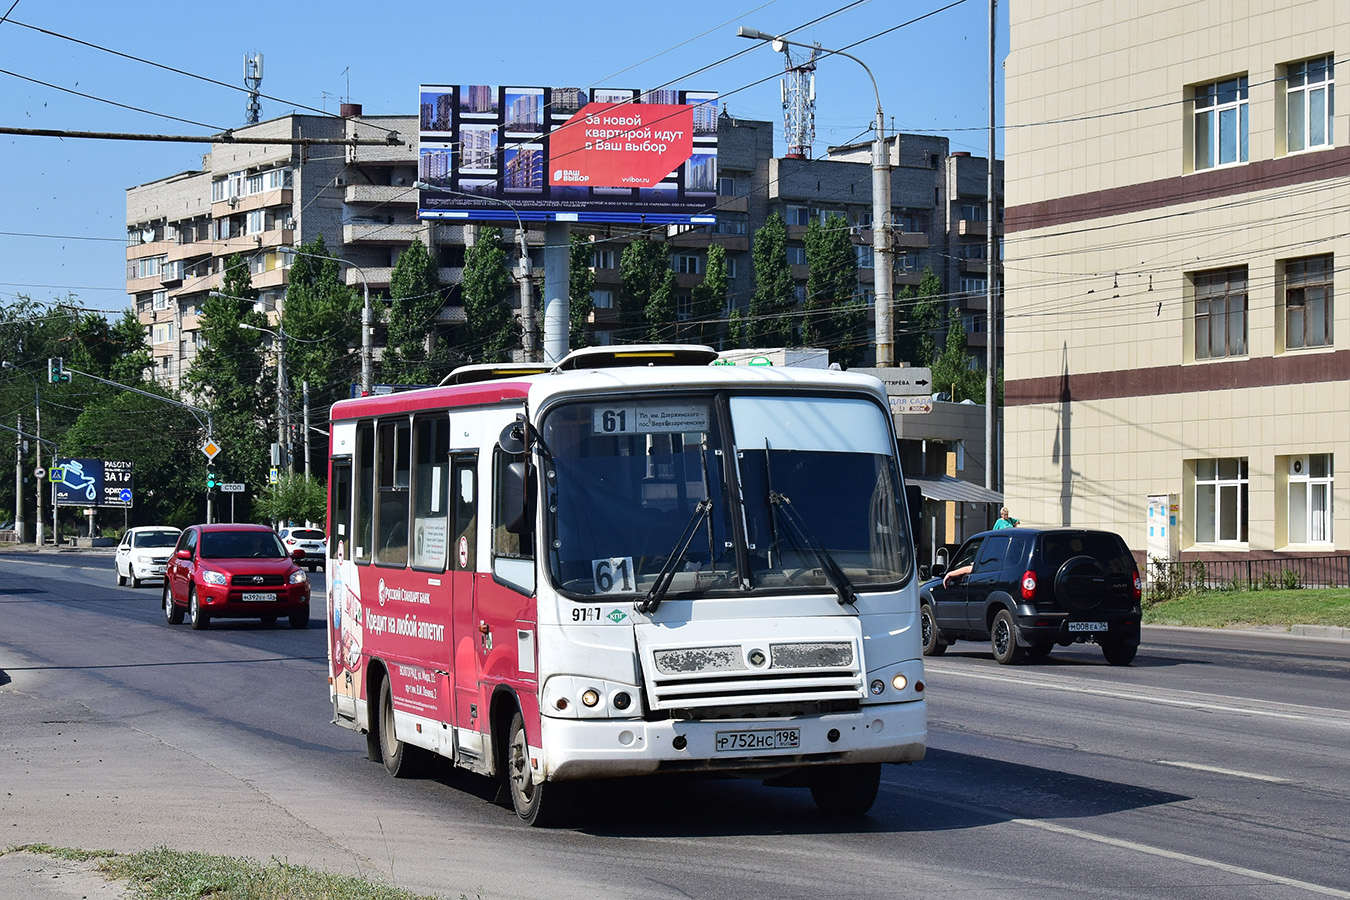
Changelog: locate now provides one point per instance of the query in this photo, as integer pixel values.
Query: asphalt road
(1217, 766)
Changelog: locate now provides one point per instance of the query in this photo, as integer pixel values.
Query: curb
(1306, 632)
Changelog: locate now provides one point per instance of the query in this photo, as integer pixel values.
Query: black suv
(1028, 589)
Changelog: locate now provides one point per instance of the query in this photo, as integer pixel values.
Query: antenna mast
(799, 103)
(253, 74)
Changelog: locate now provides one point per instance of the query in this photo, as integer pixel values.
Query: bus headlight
(578, 697)
(590, 697)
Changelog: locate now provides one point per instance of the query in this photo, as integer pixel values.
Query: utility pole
(18, 481)
(991, 477)
(305, 400)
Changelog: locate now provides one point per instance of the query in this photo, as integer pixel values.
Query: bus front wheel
(848, 790)
(539, 803)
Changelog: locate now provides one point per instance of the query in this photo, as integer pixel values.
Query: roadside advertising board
(92, 482)
(565, 154)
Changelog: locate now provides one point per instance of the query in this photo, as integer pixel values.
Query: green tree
(226, 376)
(710, 299)
(773, 317)
(737, 331)
(921, 314)
(413, 353)
(489, 331)
(294, 498)
(952, 370)
(322, 321)
(834, 315)
(581, 282)
(131, 357)
(646, 304)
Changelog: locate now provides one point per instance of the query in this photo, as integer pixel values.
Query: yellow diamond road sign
(210, 448)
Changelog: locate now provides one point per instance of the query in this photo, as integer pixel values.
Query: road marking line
(1318, 715)
(1146, 849)
(1238, 773)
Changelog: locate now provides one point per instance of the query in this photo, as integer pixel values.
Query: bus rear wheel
(848, 790)
(400, 760)
(542, 804)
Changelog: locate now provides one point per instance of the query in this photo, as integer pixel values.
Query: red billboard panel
(567, 154)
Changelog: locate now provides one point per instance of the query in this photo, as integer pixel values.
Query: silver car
(143, 553)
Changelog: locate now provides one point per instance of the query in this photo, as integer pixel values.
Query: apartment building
(1176, 228)
(259, 199)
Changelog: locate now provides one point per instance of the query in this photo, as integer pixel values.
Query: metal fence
(1173, 577)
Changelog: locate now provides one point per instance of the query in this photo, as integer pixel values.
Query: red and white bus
(633, 562)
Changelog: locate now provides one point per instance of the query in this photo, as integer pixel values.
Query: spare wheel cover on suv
(1081, 583)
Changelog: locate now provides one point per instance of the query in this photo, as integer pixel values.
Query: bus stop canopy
(945, 487)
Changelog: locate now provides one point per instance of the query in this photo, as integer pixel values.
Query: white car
(143, 553)
(311, 540)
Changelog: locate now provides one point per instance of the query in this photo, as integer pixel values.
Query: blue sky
(63, 200)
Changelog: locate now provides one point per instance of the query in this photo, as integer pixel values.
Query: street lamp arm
(160, 397)
(755, 34)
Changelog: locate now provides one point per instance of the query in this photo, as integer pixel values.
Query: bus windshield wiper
(781, 505)
(659, 587)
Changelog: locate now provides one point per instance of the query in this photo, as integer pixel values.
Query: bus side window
(512, 554)
(394, 465)
(363, 540)
(465, 477)
(431, 446)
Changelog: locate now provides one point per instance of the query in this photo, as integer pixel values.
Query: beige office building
(1178, 218)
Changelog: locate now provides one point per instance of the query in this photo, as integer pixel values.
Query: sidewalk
(34, 876)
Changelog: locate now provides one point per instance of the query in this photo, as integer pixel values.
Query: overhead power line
(225, 137)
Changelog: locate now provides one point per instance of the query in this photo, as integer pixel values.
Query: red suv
(234, 572)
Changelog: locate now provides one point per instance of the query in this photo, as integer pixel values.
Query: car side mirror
(937, 570)
(924, 574)
(183, 554)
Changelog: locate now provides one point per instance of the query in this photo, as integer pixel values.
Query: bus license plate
(1087, 626)
(778, 739)
(256, 597)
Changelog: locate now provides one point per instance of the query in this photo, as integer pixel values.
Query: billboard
(567, 154)
(92, 482)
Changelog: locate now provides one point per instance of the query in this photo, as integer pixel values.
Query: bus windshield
(818, 491)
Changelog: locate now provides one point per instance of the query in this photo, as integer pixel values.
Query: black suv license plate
(1089, 626)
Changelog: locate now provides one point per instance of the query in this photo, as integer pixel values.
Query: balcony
(972, 228)
(395, 194)
(379, 233)
(450, 274)
(974, 266)
(448, 234)
(249, 243)
(732, 204)
(701, 239)
(906, 278)
(451, 315)
(909, 240)
(222, 209)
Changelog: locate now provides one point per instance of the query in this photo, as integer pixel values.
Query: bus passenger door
(344, 610)
(469, 711)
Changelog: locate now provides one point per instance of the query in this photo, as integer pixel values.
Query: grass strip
(164, 874)
(1225, 608)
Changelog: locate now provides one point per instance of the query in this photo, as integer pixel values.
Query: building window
(726, 186)
(730, 225)
(1307, 302)
(973, 212)
(1309, 88)
(159, 300)
(1221, 501)
(973, 285)
(796, 256)
(255, 184)
(798, 215)
(1310, 484)
(1221, 123)
(277, 178)
(602, 299)
(1221, 314)
(909, 220)
(255, 222)
(602, 259)
(150, 267)
(684, 306)
(799, 292)
(686, 264)
(218, 190)
(161, 333)
(866, 255)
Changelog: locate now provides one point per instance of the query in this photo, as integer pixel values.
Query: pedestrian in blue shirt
(1005, 519)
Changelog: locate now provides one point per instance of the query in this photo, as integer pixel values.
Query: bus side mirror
(517, 502)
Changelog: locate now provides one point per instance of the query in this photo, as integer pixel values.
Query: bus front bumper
(610, 748)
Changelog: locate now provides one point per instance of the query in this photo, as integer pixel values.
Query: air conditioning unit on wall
(1298, 466)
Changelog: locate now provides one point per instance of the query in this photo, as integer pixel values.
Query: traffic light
(56, 372)
(211, 483)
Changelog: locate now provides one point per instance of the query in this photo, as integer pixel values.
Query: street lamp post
(37, 452)
(367, 313)
(881, 203)
(524, 273)
(283, 392)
